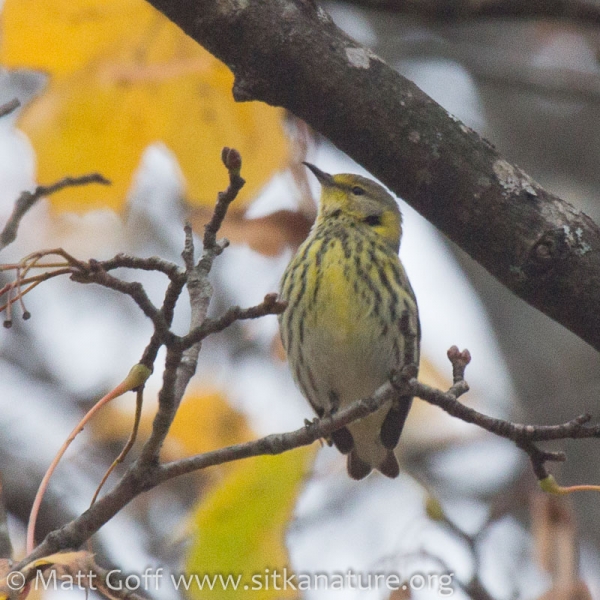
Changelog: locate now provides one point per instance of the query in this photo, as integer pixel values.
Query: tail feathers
(370, 442)
(343, 440)
(359, 469)
(394, 422)
(389, 467)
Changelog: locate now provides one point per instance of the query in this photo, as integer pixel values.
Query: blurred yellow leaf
(241, 527)
(123, 77)
(205, 421)
(66, 35)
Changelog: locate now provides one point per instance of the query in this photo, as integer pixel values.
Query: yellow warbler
(352, 317)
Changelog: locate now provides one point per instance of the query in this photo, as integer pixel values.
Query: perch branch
(143, 475)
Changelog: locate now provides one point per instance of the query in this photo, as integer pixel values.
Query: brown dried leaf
(555, 535)
(268, 235)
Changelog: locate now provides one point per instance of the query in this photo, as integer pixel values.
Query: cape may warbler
(352, 317)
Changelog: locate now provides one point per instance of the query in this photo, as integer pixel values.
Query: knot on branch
(547, 252)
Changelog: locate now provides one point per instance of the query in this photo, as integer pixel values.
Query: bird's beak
(324, 178)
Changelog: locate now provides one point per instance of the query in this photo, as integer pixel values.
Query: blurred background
(114, 87)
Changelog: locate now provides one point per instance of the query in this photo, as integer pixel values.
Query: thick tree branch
(289, 53)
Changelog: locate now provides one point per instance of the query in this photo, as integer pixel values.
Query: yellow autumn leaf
(241, 528)
(205, 421)
(65, 36)
(124, 77)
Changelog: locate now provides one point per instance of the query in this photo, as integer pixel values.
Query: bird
(352, 320)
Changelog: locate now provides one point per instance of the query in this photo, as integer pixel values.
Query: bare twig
(182, 359)
(139, 401)
(27, 199)
(524, 436)
(95, 273)
(269, 306)
(152, 263)
(233, 162)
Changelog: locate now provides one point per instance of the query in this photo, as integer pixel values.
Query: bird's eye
(358, 191)
(373, 220)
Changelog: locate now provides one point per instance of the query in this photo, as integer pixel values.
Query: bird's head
(364, 201)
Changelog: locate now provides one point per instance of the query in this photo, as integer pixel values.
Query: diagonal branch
(289, 53)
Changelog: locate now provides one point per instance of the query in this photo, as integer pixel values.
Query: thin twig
(95, 273)
(269, 306)
(134, 379)
(27, 199)
(139, 401)
(524, 436)
(151, 263)
(281, 442)
(182, 360)
(233, 162)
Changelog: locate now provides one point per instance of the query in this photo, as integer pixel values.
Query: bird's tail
(359, 469)
(367, 453)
